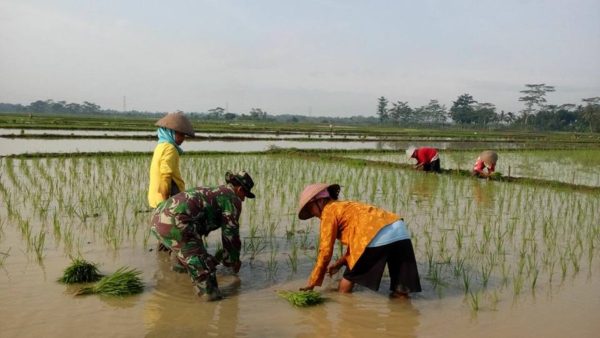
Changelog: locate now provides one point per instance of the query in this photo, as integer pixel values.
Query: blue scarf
(166, 135)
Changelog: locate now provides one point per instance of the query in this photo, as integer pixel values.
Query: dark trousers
(432, 166)
(402, 266)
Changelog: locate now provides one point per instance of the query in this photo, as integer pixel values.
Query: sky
(319, 58)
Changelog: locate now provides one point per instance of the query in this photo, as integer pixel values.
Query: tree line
(214, 114)
(466, 111)
(62, 107)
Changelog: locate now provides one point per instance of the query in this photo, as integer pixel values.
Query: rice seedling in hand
(302, 298)
(125, 281)
(80, 271)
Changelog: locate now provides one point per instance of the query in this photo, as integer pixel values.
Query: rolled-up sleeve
(230, 231)
(327, 239)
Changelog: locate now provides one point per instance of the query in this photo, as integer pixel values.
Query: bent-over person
(374, 238)
(428, 158)
(485, 164)
(181, 222)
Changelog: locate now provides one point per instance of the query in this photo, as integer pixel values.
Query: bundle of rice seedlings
(80, 271)
(302, 298)
(121, 283)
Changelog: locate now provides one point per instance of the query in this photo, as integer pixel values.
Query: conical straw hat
(178, 122)
(309, 192)
(489, 157)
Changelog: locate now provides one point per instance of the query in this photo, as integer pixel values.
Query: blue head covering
(166, 135)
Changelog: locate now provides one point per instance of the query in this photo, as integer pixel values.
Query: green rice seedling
(2, 222)
(68, 240)
(305, 241)
(534, 279)
(563, 266)
(272, 263)
(272, 229)
(435, 276)
(429, 254)
(458, 266)
(124, 282)
(466, 278)
(254, 245)
(486, 271)
(293, 258)
(517, 284)
(575, 262)
(25, 228)
(4, 256)
(302, 298)
(459, 236)
(38, 245)
(474, 301)
(80, 271)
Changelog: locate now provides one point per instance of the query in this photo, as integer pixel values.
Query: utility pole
(124, 103)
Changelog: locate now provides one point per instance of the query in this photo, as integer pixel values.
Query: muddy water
(35, 305)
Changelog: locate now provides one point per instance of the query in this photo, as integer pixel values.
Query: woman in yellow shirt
(374, 237)
(165, 178)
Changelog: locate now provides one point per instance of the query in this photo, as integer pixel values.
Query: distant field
(129, 123)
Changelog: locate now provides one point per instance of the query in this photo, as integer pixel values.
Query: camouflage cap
(242, 179)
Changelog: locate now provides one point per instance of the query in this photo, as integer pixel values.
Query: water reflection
(424, 186)
(483, 194)
(10, 146)
(366, 314)
(280, 135)
(22, 146)
(173, 310)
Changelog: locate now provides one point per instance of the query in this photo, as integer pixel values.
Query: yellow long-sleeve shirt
(164, 169)
(354, 224)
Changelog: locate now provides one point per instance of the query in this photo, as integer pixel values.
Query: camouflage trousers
(191, 253)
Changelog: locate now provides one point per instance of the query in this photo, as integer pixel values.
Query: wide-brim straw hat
(178, 122)
(410, 151)
(244, 180)
(308, 194)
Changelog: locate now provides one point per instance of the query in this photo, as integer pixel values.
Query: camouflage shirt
(198, 211)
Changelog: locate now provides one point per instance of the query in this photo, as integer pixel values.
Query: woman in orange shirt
(374, 237)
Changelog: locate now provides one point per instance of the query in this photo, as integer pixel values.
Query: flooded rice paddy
(496, 259)
(574, 166)
(14, 142)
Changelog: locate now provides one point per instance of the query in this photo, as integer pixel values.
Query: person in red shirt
(485, 164)
(427, 158)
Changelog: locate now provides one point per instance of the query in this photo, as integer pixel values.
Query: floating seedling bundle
(302, 298)
(80, 271)
(123, 282)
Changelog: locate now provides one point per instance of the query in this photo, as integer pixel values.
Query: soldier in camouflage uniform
(181, 221)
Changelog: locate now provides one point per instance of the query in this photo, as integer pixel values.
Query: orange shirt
(354, 224)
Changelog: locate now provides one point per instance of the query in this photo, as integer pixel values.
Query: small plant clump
(496, 175)
(80, 271)
(302, 298)
(121, 283)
